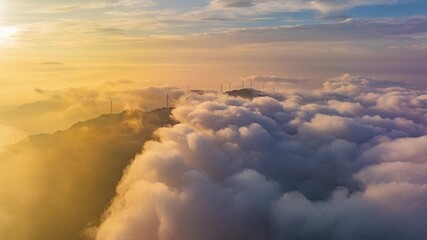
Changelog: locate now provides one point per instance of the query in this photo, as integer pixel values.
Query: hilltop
(250, 93)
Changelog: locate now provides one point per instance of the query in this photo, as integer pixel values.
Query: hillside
(79, 170)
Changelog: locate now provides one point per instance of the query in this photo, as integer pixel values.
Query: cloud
(95, 5)
(348, 30)
(134, 2)
(324, 6)
(401, 150)
(340, 41)
(52, 63)
(91, 5)
(61, 9)
(74, 7)
(233, 3)
(317, 165)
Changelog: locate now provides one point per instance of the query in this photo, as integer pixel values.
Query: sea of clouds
(347, 161)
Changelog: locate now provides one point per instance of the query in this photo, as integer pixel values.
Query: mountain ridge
(80, 168)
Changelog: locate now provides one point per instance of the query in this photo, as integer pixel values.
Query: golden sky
(59, 44)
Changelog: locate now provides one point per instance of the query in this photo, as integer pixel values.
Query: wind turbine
(167, 98)
(111, 105)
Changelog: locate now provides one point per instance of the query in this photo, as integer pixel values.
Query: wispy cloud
(73, 7)
(324, 6)
(124, 29)
(94, 5)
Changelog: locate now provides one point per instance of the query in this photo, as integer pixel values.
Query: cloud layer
(344, 162)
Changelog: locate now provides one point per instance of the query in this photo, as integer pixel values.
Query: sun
(7, 34)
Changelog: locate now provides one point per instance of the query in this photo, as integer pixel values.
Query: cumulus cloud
(337, 163)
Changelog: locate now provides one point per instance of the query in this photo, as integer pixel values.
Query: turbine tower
(111, 105)
(167, 98)
(188, 92)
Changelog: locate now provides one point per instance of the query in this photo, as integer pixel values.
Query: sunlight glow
(7, 34)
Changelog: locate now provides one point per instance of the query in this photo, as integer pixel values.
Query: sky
(57, 44)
